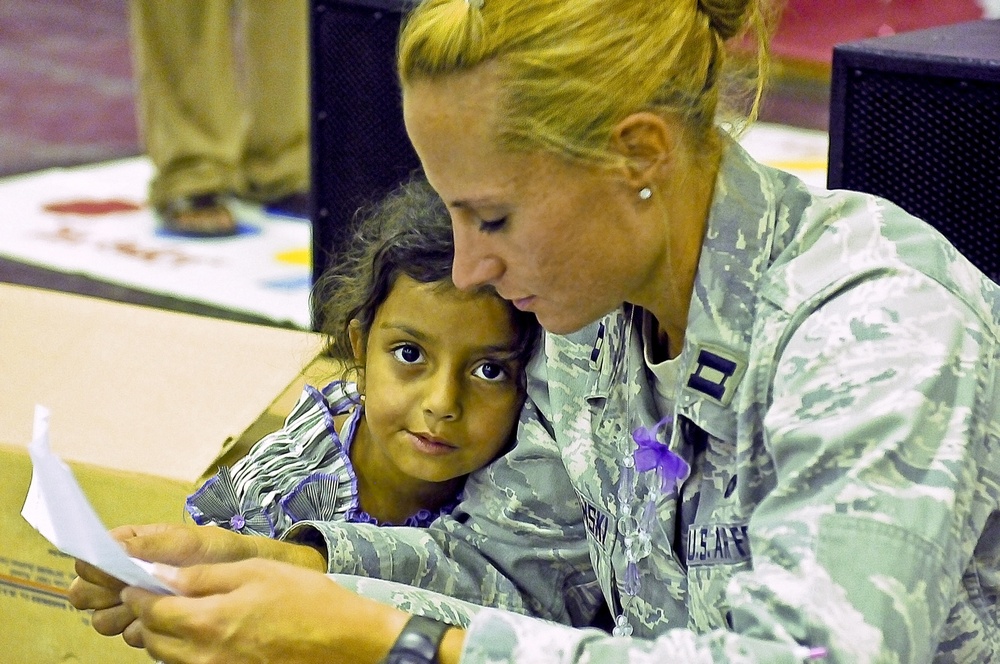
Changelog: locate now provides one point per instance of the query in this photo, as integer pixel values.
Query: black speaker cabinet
(359, 146)
(915, 118)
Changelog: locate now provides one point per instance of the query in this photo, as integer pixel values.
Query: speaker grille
(932, 146)
(360, 150)
(915, 118)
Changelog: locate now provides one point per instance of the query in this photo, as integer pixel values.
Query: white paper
(58, 509)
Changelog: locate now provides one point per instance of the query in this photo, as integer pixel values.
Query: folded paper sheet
(58, 509)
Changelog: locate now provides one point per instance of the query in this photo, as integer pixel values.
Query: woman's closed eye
(492, 225)
(408, 353)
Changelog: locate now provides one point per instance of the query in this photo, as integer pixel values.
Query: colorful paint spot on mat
(301, 256)
(93, 207)
(289, 283)
(242, 230)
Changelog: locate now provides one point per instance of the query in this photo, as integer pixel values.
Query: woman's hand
(178, 545)
(259, 611)
(95, 590)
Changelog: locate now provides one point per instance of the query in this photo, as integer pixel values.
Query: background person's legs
(190, 115)
(276, 153)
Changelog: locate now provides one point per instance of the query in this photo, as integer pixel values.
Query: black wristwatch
(418, 642)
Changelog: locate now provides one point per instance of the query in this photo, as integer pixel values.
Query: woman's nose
(473, 265)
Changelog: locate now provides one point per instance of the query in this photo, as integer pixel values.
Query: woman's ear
(645, 142)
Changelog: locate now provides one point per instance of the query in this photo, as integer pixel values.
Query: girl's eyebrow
(405, 329)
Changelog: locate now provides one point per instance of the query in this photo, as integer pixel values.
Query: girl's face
(441, 376)
(558, 239)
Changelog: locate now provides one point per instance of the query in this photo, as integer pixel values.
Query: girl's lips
(429, 444)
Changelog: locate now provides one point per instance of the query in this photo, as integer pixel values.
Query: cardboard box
(144, 405)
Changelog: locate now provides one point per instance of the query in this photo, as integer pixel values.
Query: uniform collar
(735, 253)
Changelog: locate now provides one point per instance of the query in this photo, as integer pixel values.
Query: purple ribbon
(650, 453)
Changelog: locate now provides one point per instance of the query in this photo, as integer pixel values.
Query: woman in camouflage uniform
(784, 446)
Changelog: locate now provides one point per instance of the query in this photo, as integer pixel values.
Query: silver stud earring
(645, 193)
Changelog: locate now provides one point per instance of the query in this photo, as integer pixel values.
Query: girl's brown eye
(408, 354)
(490, 371)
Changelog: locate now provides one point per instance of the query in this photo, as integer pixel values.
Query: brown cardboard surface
(143, 405)
(39, 624)
(166, 382)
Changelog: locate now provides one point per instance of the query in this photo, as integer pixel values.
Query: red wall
(809, 28)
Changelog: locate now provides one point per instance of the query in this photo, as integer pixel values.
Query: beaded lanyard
(661, 470)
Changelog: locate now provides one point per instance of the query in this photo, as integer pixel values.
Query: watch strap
(418, 642)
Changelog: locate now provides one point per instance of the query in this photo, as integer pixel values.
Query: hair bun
(726, 17)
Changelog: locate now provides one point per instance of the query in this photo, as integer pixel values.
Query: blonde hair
(571, 70)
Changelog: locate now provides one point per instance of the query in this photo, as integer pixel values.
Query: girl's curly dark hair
(407, 233)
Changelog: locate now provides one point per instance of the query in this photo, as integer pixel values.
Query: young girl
(438, 384)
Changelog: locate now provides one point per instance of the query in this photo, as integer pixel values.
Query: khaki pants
(218, 113)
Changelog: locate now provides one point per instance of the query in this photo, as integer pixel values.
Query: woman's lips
(523, 303)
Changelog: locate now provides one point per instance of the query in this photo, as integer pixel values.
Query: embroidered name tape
(595, 520)
(715, 544)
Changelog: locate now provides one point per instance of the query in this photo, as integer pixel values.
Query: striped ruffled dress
(301, 472)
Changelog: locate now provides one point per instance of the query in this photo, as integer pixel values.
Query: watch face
(418, 642)
(407, 658)
(424, 654)
(412, 648)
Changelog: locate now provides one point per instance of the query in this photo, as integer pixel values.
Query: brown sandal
(198, 215)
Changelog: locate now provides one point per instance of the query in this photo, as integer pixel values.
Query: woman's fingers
(171, 614)
(257, 610)
(112, 621)
(93, 576)
(177, 629)
(133, 635)
(93, 590)
(186, 544)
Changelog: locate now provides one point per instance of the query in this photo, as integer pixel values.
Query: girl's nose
(443, 397)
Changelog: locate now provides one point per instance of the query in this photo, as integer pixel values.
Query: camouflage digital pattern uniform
(839, 408)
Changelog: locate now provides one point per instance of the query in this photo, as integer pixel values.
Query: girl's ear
(645, 141)
(358, 348)
(357, 341)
